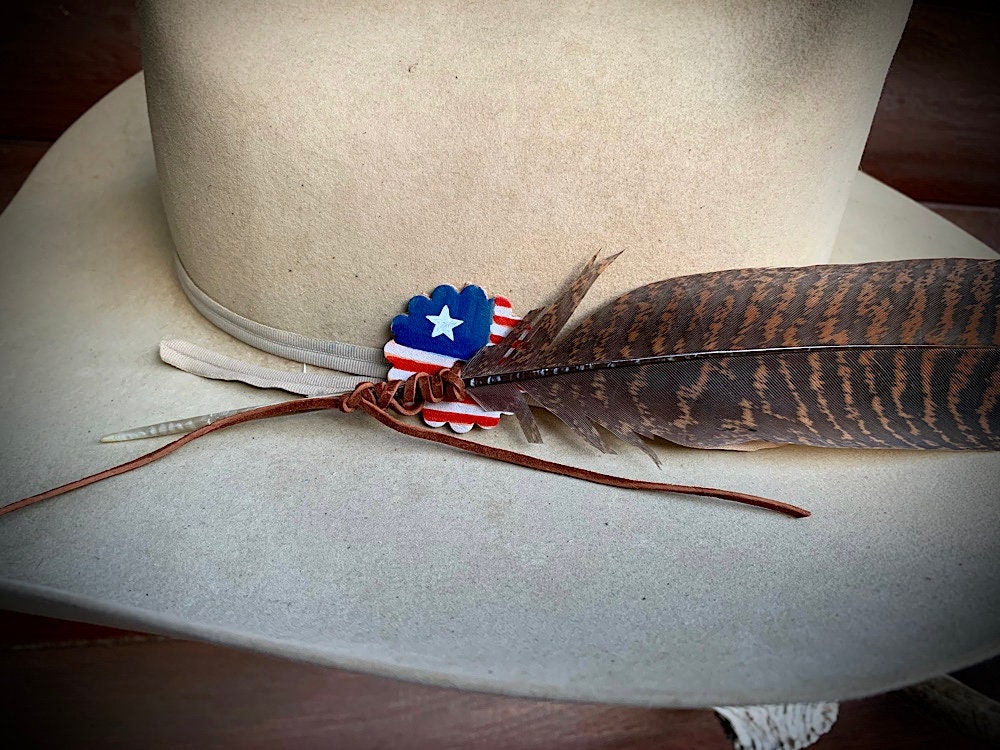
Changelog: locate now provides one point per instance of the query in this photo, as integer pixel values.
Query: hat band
(366, 361)
(208, 364)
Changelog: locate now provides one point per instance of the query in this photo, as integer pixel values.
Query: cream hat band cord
(353, 359)
(205, 363)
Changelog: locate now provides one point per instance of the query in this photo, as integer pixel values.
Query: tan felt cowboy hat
(318, 164)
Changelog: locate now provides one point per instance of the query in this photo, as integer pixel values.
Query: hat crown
(321, 162)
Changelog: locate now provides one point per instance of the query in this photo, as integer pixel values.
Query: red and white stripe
(461, 416)
(503, 320)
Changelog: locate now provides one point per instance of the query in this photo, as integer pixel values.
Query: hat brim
(330, 539)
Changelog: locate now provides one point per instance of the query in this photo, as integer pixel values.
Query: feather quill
(902, 354)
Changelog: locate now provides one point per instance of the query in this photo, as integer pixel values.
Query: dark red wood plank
(982, 222)
(58, 58)
(935, 134)
(21, 631)
(172, 694)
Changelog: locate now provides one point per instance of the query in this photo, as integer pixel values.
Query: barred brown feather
(901, 354)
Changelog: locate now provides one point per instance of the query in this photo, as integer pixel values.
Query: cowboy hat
(315, 172)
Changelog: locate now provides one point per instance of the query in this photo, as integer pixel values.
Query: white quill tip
(173, 427)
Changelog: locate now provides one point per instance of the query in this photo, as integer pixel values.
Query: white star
(444, 323)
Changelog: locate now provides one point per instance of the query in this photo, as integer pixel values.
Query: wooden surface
(934, 136)
(111, 689)
(74, 685)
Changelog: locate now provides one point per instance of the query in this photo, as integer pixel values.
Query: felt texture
(330, 539)
(320, 158)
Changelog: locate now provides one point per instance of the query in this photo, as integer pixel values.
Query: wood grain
(982, 222)
(58, 58)
(176, 694)
(934, 136)
(19, 631)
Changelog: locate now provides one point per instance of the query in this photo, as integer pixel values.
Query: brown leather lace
(406, 398)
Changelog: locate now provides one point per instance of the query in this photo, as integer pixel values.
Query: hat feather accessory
(902, 354)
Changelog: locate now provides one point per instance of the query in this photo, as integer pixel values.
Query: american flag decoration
(440, 330)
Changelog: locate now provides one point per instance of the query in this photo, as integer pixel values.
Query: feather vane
(902, 354)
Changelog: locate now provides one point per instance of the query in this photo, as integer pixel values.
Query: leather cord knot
(407, 397)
